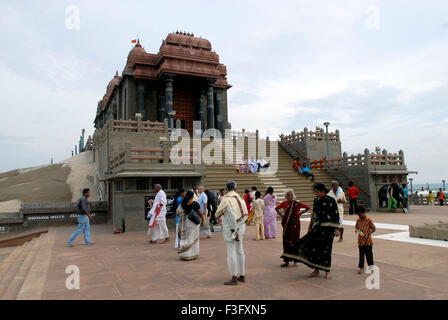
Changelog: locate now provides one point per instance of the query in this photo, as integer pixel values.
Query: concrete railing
(149, 155)
(384, 158)
(310, 135)
(244, 134)
(138, 126)
(422, 200)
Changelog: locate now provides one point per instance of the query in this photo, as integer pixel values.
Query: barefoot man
(338, 195)
(157, 228)
(234, 211)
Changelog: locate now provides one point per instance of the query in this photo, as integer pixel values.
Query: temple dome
(186, 39)
(113, 83)
(137, 51)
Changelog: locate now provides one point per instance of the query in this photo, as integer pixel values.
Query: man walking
(203, 201)
(405, 195)
(338, 195)
(157, 228)
(212, 204)
(84, 219)
(234, 211)
(352, 193)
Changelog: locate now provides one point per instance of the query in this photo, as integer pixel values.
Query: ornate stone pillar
(168, 93)
(200, 106)
(141, 98)
(210, 104)
(218, 111)
(161, 107)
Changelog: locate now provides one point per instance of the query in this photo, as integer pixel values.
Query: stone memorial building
(182, 83)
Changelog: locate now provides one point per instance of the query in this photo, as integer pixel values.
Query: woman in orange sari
(248, 200)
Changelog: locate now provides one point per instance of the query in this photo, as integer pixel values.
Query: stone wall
(50, 214)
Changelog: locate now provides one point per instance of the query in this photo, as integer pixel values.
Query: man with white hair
(234, 211)
(338, 195)
(157, 228)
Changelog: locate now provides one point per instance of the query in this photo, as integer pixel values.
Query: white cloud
(292, 64)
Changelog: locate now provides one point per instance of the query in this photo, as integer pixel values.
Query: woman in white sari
(188, 231)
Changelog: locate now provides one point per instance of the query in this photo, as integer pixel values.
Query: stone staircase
(217, 175)
(23, 271)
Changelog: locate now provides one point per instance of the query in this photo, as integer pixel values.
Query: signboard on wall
(169, 206)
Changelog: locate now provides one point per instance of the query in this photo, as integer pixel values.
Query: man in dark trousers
(212, 204)
(84, 219)
(352, 193)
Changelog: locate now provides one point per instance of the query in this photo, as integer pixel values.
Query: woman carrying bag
(190, 219)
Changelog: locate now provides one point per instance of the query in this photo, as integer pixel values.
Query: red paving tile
(125, 266)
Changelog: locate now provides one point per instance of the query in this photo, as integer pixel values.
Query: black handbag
(194, 216)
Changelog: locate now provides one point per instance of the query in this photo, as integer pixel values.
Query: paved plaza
(125, 266)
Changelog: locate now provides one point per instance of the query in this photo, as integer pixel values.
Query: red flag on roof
(134, 41)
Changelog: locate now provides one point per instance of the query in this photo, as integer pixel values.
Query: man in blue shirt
(306, 172)
(405, 195)
(202, 200)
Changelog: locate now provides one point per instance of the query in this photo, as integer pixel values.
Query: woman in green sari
(314, 249)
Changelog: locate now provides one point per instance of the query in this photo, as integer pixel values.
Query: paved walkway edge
(34, 283)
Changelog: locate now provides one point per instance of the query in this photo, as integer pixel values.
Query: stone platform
(125, 266)
(437, 231)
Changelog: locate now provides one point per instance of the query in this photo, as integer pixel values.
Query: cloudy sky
(376, 70)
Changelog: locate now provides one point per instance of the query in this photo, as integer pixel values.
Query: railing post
(386, 158)
(166, 152)
(366, 157)
(110, 124)
(127, 152)
(401, 153)
(268, 145)
(138, 117)
(165, 125)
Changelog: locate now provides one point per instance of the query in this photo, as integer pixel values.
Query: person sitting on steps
(305, 171)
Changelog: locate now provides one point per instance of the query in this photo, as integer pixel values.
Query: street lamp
(326, 124)
(172, 113)
(411, 179)
(443, 181)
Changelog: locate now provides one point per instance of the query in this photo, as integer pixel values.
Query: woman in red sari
(290, 221)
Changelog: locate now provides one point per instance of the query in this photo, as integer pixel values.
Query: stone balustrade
(367, 158)
(310, 135)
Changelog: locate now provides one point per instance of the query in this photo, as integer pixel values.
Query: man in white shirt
(157, 228)
(234, 211)
(338, 195)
